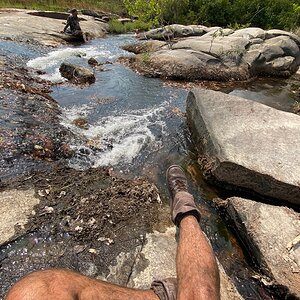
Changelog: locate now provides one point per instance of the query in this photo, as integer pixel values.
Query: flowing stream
(136, 125)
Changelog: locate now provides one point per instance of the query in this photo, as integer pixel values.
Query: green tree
(148, 11)
(281, 14)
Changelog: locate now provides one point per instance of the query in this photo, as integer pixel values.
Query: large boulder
(188, 64)
(144, 47)
(220, 46)
(246, 144)
(239, 54)
(156, 260)
(77, 73)
(271, 234)
(172, 31)
(276, 56)
(43, 27)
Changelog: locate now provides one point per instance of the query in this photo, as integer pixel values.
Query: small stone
(79, 248)
(81, 123)
(49, 209)
(40, 193)
(38, 147)
(93, 251)
(93, 62)
(78, 228)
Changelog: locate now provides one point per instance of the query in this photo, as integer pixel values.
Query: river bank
(44, 29)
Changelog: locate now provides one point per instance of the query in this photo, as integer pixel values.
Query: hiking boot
(182, 202)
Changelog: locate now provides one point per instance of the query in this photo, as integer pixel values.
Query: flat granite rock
(15, 207)
(43, 27)
(272, 234)
(242, 54)
(247, 144)
(158, 255)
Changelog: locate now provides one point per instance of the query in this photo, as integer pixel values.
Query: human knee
(35, 285)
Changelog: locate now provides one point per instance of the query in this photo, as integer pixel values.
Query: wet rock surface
(77, 74)
(216, 53)
(83, 221)
(30, 132)
(42, 27)
(246, 144)
(271, 234)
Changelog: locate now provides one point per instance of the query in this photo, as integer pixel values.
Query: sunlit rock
(271, 234)
(246, 144)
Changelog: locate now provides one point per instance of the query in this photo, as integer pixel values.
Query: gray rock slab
(248, 144)
(145, 46)
(282, 63)
(285, 43)
(242, 53)
(19, 24)
(157, 261)
(191, 64)
(276, 32)
(15, 207)
(272, 234)
(218, 46)
(172, 31)
(251, 32)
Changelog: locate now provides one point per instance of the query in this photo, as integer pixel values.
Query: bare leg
(197, 270)
(67, 285)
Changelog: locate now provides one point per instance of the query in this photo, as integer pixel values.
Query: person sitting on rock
(196, 266)
(73, 23)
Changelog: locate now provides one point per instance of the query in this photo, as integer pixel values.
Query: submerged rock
(272, 235)
(31, 134)
(93, 62)
(247, 144)
(77, 73)
(235, 55)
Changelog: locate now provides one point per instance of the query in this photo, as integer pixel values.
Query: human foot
(182, 202)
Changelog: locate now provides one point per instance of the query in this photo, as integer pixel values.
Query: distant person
(73, 26)
(196, 266)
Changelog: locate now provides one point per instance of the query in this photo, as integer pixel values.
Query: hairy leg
(67, 285)
(197, 270)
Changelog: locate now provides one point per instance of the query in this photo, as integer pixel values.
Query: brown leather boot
(182, 202)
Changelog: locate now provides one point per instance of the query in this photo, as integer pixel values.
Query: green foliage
(281, 14)
(145, 57)
(116, 26)
(148, 11)
(116, 6)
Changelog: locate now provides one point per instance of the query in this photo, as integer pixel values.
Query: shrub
(117, 27)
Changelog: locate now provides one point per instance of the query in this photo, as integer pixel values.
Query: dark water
(140, 118)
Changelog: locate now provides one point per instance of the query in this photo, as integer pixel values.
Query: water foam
(51, 62)
(128, 134)
(55, 58)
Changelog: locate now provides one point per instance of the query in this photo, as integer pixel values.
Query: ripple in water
(119, 138)
(102, 50)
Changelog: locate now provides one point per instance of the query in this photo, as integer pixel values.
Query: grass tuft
(117, 27)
